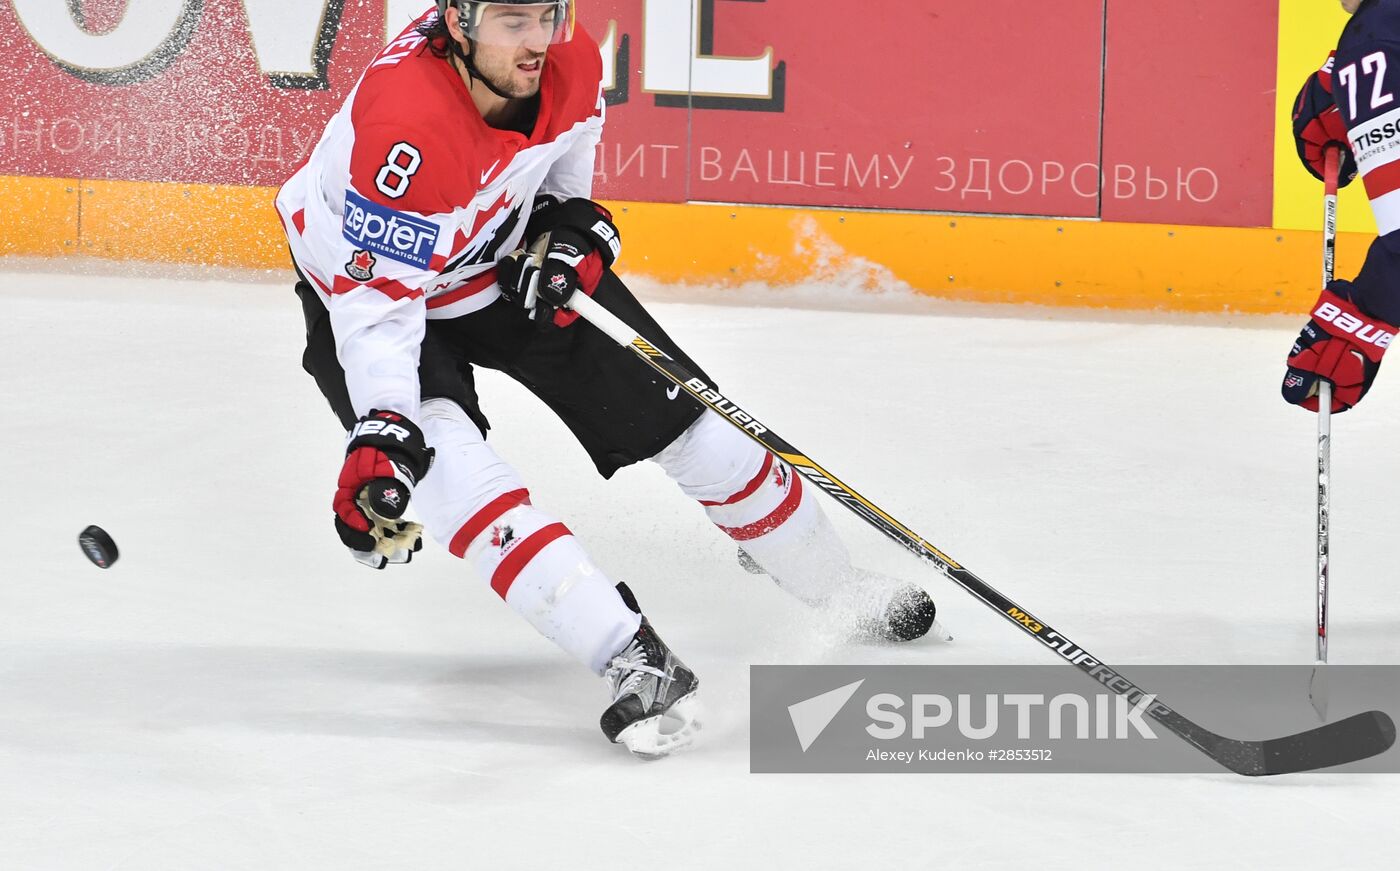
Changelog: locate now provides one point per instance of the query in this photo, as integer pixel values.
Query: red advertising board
(1189, 112)
(924, 106)
(645, 153)
(997, 107)
(199, 106)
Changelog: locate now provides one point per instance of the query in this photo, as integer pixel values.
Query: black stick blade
(1360, 736)
(1357, 737)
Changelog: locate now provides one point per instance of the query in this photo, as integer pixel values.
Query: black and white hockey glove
(384, 458)
(574, 243)
(593, 224)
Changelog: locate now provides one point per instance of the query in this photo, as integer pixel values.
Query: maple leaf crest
(502, 536)
(361, 266)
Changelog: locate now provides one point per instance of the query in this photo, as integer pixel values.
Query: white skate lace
(625, 670)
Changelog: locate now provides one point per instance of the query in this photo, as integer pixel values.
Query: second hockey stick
(1317, 687)
(1357, 737)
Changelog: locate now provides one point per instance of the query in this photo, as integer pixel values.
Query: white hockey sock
(476, 506)
(757, 500)
(539, 568)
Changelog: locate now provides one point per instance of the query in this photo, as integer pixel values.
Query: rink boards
(1090, 154)
(1041, 261)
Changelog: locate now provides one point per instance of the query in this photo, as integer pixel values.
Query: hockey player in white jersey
(442, 222)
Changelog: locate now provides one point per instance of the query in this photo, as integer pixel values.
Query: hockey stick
(1317, 686)
(1357, 737)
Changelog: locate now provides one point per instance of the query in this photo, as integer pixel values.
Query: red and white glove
(1340, 344)
(385, 457)
(1317, 124)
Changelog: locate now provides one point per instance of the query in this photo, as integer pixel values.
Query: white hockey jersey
(409, 198)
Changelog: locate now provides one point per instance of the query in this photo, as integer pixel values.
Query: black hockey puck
(98, 546)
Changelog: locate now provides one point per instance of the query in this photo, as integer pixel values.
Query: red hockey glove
(384, 458)
(1317, 124)
(1341, 345)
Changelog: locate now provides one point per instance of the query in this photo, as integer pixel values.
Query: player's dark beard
(503, 81)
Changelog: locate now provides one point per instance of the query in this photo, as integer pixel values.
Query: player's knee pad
(468, 480)
(745, 489)
(451, 417)
(760, 502)
(711, 460)
(507, 536)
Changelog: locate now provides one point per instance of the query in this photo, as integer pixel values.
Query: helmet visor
(516, 24)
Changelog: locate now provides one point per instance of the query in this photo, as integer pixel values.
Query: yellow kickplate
(957, 257)
(44, 216)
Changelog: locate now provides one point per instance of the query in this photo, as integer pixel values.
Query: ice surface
(236, 693)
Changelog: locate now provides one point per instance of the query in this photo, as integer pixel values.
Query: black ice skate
(881, 608)
(654, 711)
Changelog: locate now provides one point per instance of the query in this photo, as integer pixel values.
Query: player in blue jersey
(1351, 102)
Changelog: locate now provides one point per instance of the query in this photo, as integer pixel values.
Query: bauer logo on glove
(1342, 345)
(384, 458)
(1372, 333)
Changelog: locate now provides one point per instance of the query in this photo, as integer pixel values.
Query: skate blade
(660, 736)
